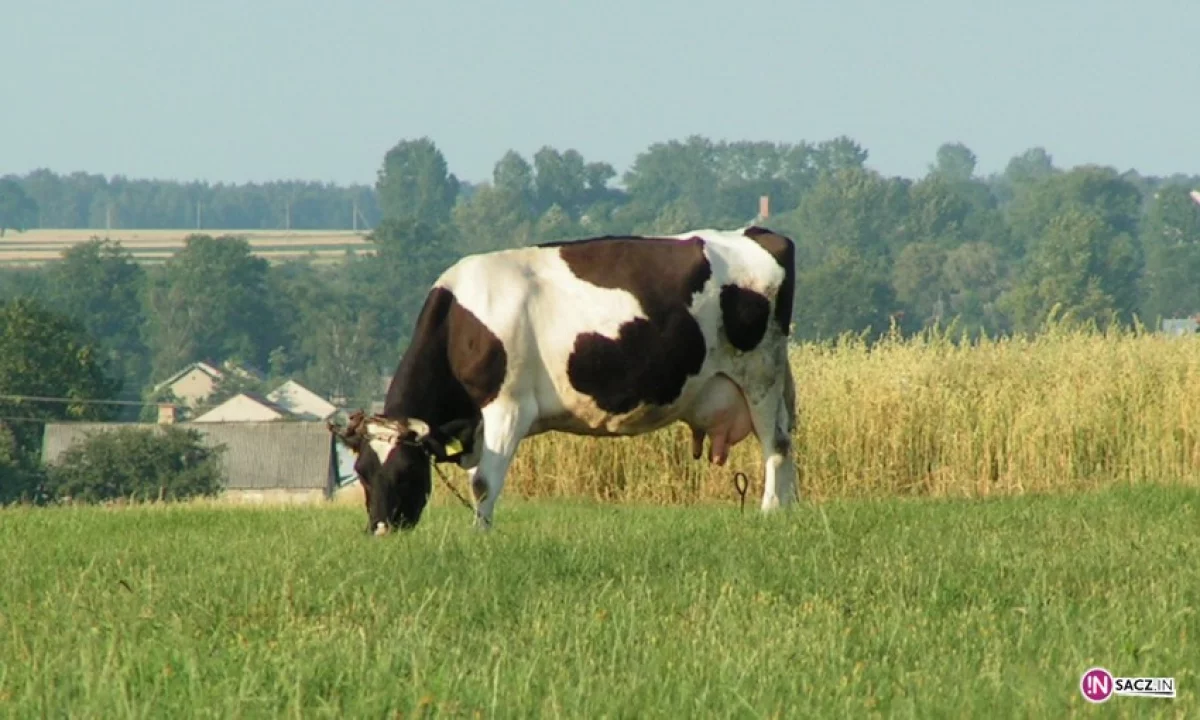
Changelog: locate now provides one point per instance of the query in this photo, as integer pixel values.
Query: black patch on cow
(784, 251)
(744, 314)
(651, 358)
(453, 367)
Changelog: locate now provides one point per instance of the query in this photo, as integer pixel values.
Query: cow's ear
(452, 441)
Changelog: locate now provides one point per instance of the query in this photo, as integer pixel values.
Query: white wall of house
(194, 385)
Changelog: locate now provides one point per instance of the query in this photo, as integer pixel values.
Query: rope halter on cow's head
(413, 432)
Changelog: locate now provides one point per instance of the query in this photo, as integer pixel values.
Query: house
(246, 407)
(301, 402)
(289, 461)
(198, 380)
(191, 384)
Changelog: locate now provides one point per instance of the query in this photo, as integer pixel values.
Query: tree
(47, 355)
(556, 224)
(1171, 237)
(840, 153)
(853, 208)
(918, 282)
(210, 303)
(18, 211)
(336, 342)
(973, 275)
(414, 183)
(844, 292)
(937, 214)
(955, 163)
(512, 179)
(1100, 190)
(99, 284)
(666, 172)
(496, 217)
(392, 286)
(21, 477)
(1083, 265)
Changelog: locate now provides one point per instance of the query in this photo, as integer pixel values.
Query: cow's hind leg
(773, 423)
(505, 422)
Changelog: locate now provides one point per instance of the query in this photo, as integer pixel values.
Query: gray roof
(258, 455)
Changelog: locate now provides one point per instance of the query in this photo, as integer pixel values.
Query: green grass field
(917, 608)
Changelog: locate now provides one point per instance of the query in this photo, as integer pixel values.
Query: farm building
(283, 460)
(1180, 326)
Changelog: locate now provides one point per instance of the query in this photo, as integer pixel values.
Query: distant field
(907, 608)
(36, 247)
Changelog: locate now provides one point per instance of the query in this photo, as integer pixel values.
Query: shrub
(169, 463)
(19, 482)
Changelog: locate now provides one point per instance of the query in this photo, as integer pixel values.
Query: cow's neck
(424, 386)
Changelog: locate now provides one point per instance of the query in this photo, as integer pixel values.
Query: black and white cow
(605, 336)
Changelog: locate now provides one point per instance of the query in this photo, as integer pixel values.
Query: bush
(19, 482)
(167, 463)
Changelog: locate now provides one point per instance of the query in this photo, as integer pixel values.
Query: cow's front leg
(771, 427)
(505, 422)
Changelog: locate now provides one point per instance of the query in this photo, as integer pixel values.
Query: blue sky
(252, 90)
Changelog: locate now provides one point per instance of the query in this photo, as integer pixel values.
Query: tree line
(45, 199)
(991, 254)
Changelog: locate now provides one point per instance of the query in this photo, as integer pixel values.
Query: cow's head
(392, 458)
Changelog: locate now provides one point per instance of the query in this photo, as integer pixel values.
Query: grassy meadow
(851, 608)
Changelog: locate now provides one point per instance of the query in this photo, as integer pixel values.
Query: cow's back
(611, 334)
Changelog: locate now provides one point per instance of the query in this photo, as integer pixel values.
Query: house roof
(299, 400)
(253, 397)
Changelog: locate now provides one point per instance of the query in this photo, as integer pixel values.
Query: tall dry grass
(1068, 409)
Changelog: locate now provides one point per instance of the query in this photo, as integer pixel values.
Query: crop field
(849, 608)
(37, 247)
(923, 417)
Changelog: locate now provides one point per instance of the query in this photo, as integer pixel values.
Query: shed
(285, 456)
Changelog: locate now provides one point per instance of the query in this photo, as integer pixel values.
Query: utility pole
(287, 214)
(198, 214)
(354, 215)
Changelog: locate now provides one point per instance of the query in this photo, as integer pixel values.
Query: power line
(76, 401)
(25, 419)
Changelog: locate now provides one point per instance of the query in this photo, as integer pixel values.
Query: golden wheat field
(39, 246)
(1067, 410)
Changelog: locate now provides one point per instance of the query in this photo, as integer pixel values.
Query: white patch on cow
(382, 447)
